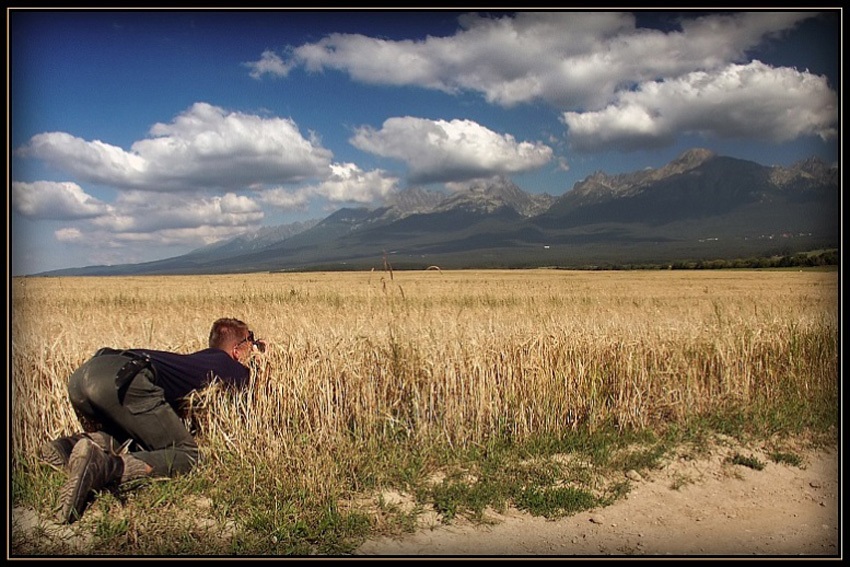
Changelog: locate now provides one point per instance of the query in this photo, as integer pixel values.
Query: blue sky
(141, 135)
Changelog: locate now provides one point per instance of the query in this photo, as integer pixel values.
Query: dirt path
(689, 508)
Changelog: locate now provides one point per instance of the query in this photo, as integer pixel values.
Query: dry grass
(458, 356)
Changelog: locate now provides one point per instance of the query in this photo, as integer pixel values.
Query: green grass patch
(785, 458)
(552, 502)
(453, 498)
(749, 462)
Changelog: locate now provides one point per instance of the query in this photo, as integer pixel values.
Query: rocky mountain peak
(599, 186)
(492, 194)
(804, 173)
(813, 166)
(413, 200)
(688, 160)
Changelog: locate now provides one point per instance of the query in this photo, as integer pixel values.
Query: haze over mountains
(699, 206)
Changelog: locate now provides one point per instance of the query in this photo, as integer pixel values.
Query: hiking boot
(90, 468)
(56, 453)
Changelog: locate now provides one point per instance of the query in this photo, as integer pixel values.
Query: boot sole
(53, 457)
(75, 492)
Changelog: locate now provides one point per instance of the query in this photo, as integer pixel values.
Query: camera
(258, 343)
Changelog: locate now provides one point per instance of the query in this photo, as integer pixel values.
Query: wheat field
(442, 356)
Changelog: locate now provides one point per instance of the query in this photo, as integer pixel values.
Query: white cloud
(233, 204)
(569, 59)
(204, 234)
(93, 161)
(204, 148)
(346, 183)
(285, 199)
(143, 223)
(599, 68)
(94, 240)
(69, 234)
(138, 212)
(350, 183)
(457, 150)
(158, 220)
(270, 63)
(751, 101)
(55, 200)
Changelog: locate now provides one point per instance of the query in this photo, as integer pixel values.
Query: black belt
(136, 363)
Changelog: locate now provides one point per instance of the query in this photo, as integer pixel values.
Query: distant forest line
(799, 260)
(812, 259)
(824, 258)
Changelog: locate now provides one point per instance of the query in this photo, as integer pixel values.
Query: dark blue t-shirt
(179, 374)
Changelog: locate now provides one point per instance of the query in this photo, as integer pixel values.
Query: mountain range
(698, 206)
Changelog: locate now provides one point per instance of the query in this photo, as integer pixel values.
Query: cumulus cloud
(96, 239)
(569, 59)
(55, 201)
(599, 69)
(138, 217)
(349, 183)
(286, 199)
(346, 183)
(740, 101)
(186, 185)
(69, 234)
(140, 222)
(205, 147)
(190, 235)
(456, 150)
(270, 63)
(138, 212)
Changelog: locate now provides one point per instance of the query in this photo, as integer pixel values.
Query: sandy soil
(705, 507)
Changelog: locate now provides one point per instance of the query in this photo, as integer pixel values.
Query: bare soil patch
(690, 507)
